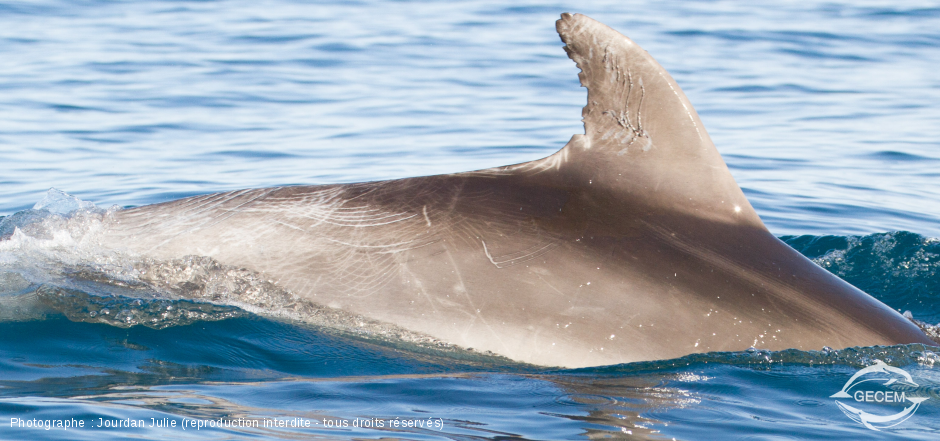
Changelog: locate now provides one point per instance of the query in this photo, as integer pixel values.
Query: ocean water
(827, 114)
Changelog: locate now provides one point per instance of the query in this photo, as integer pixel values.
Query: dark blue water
(825, 112)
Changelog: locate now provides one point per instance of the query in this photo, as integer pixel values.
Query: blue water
(825, 112)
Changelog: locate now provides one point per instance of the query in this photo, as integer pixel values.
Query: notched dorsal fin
(630, 96)
(639, 124)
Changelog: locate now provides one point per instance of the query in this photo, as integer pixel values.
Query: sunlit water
(826, 114)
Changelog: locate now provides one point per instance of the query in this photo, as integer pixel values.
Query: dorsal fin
(641, 133)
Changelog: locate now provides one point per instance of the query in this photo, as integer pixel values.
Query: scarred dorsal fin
(642, 136)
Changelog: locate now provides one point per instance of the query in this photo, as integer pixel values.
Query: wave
(902, 269)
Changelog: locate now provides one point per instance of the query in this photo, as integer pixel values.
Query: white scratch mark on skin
(550, 285)
(466, 293)
(426, 218)
(519, 256)
(686, 108)
(354, 245)
(551, 162)
(289, 225)
(349, 221)
(420, 286)
(488, 256)
(189, 224)
(392, 248)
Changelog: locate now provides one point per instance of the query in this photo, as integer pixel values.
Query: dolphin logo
(633, 242)
(880, 368)
(874, 421)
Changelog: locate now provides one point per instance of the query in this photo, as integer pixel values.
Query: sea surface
(827, 113)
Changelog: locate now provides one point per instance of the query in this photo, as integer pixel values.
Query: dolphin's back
(633, 242)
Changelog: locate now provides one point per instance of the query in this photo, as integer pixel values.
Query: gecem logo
(871, 397)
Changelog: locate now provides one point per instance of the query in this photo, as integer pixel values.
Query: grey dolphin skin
(631, 243)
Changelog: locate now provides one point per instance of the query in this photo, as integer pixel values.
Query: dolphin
(631, 243)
